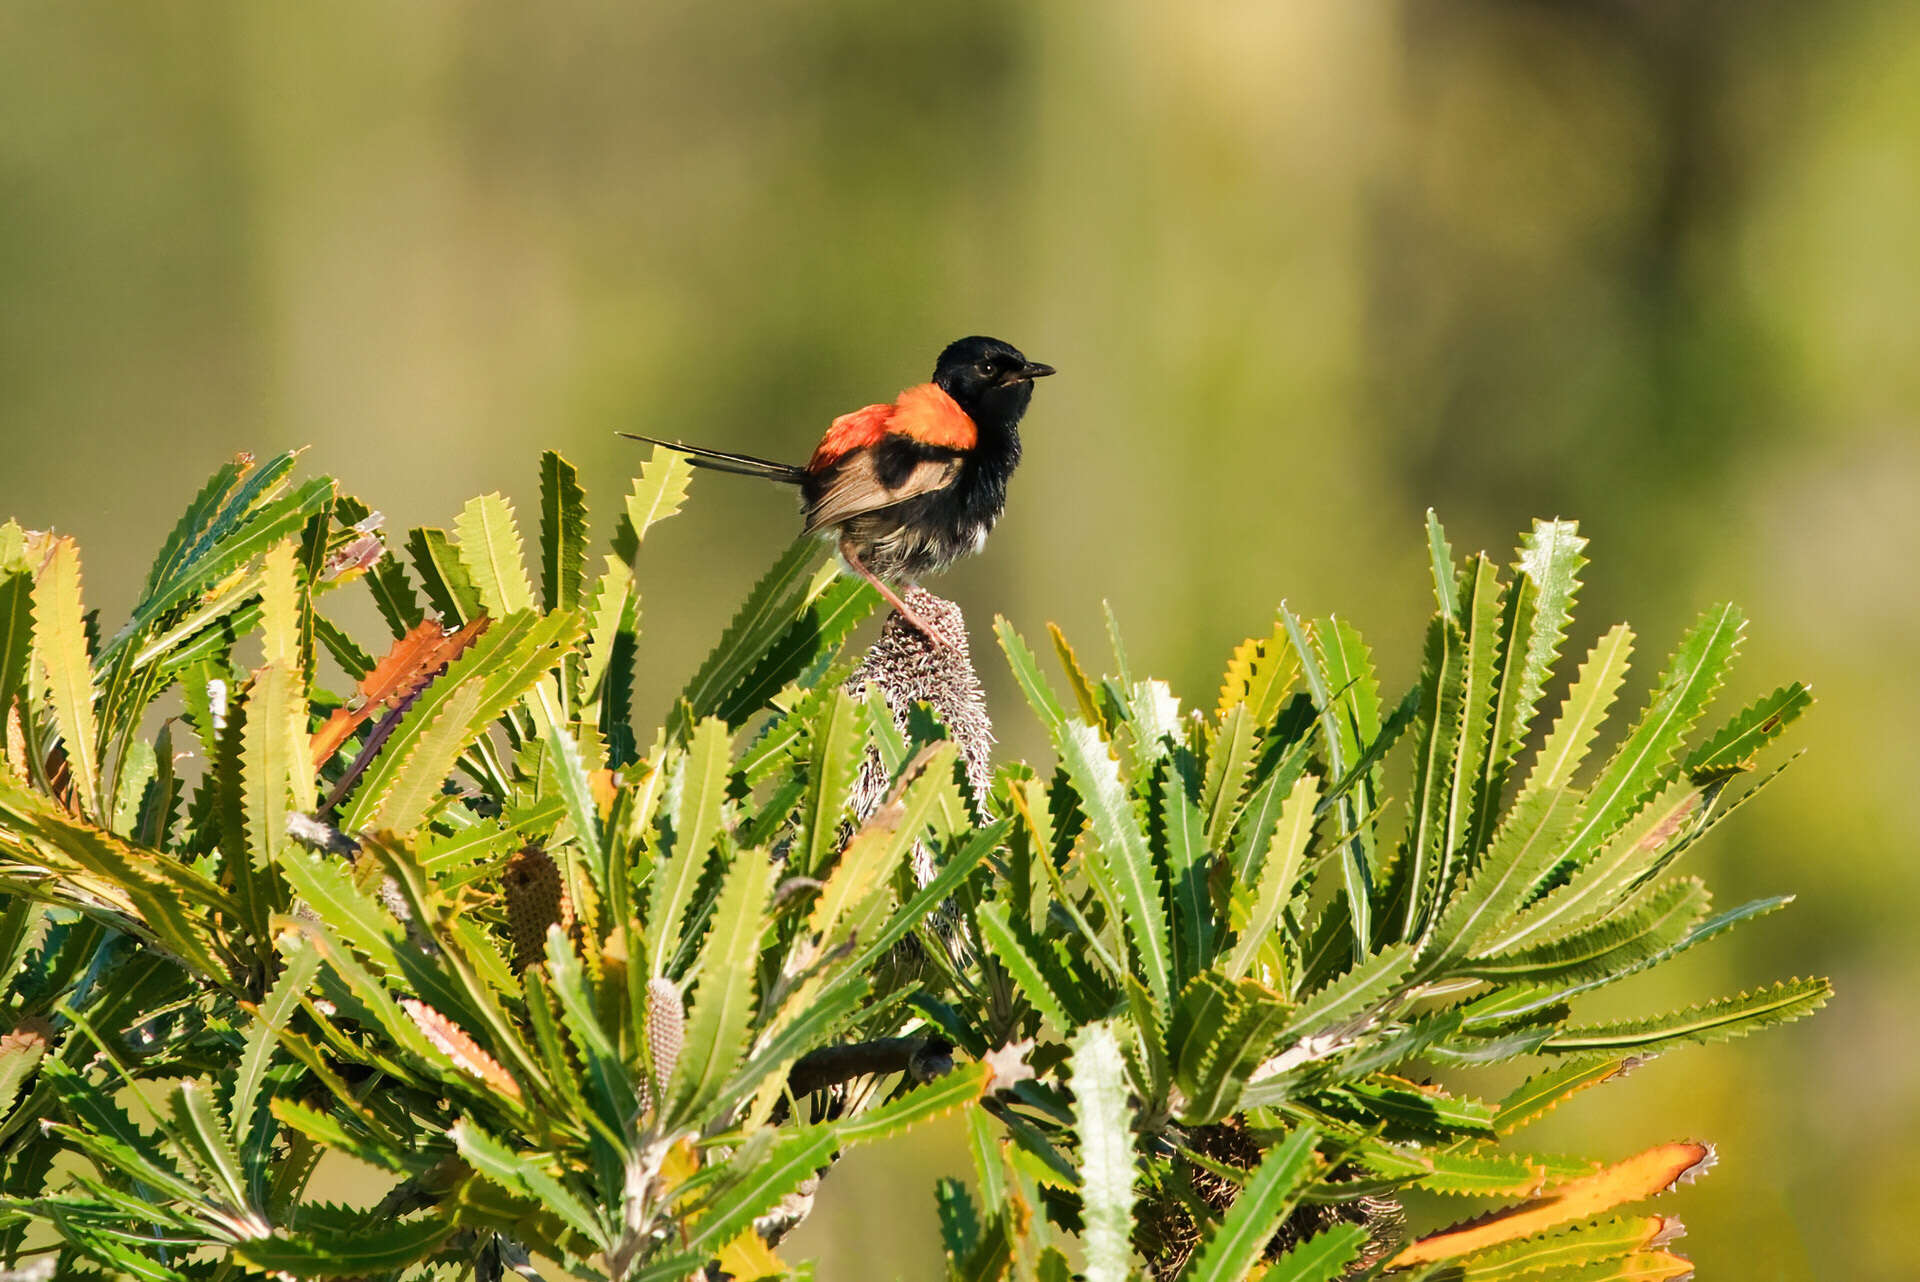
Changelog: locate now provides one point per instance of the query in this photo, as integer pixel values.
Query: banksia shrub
(1210, 993)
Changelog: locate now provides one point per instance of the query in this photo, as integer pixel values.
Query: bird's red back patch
(925, 413)
(928, 415)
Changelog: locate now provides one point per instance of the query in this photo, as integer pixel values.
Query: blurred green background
(1307, 268)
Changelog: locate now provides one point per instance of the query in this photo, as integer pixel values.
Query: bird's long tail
(722, 461)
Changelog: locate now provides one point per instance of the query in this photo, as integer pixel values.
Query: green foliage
(456, 923)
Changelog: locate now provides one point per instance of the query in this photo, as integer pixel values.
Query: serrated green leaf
(418, 785)
(1279, 874)
(1540, 1094)
(1321, 1258)
(1663, 916)
(1472, 746)
(383, 1245)
(60, 650)
(770, 608)
(568, 765)
(1427, 1108)
(1438, 729)
(1353, 994)
(657, 494)
(1026, 673)
(607, 1074)
(1638, 768)
(110, 1137)
(16, 633)
(959, 1218)
(200, 514)
(1716, 1021)
(1628, 858)
(1445, 591)
(1547, 1257)
(1581, 713)
(1233, 1051)
(724, 1001)
(791, 1158)
(1259, 674)
(1734, 746)
(1189, 859)
(223, 549)
(1519, 1003)
(198, 1130)
(1532, 839)
(865, 868)
(1482, 1172)
(563, 534)
(1077, 679)
(695, 817)
(1005, 948)
(1551, 558)
(393, 594)
(834, 751)
(521, 1173)
(830, 609)
(443, 576)
(1229, 759)
(491, 551)
(925, 1103)
(1104, 1126)
(1270, 1191)
(1354, 870)
(261, 1033)
(1123, 852)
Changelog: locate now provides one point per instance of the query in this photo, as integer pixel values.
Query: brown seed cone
(535, 901)
(1165, 1232)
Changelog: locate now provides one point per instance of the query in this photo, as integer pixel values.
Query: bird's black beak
(1034, 369)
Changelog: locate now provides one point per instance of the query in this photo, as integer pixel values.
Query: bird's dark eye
(989, 367)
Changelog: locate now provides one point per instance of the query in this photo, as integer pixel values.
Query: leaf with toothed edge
(1733, 747)
(724, 999)
(1279, 873)
(1716, 1021)
(381, 1246)
(1321, 1258)
(1270, 1191)
(1613, 1249)
(1540, 1094)
(1104, 1126)
(1623, 863)
(1662, 918)
(770, 608)
(658, 492)
(1353, 854)
(1638, 1177)
(490, 549)
(1438, 726)
(1527, 846)
(1693, 676)
(1122, 848)
(1026, 672)
(563, 534)
(1551, 559)
(1353, 994)
(60, 652)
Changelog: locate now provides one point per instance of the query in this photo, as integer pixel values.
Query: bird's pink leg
(900, 607)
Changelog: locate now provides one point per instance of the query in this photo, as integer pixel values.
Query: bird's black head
(989, 379)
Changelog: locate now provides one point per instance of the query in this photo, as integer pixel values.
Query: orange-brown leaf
(1640, 1176)
(452, 1041)
(414, 660)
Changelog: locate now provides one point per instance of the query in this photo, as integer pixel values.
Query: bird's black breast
(932, 530)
